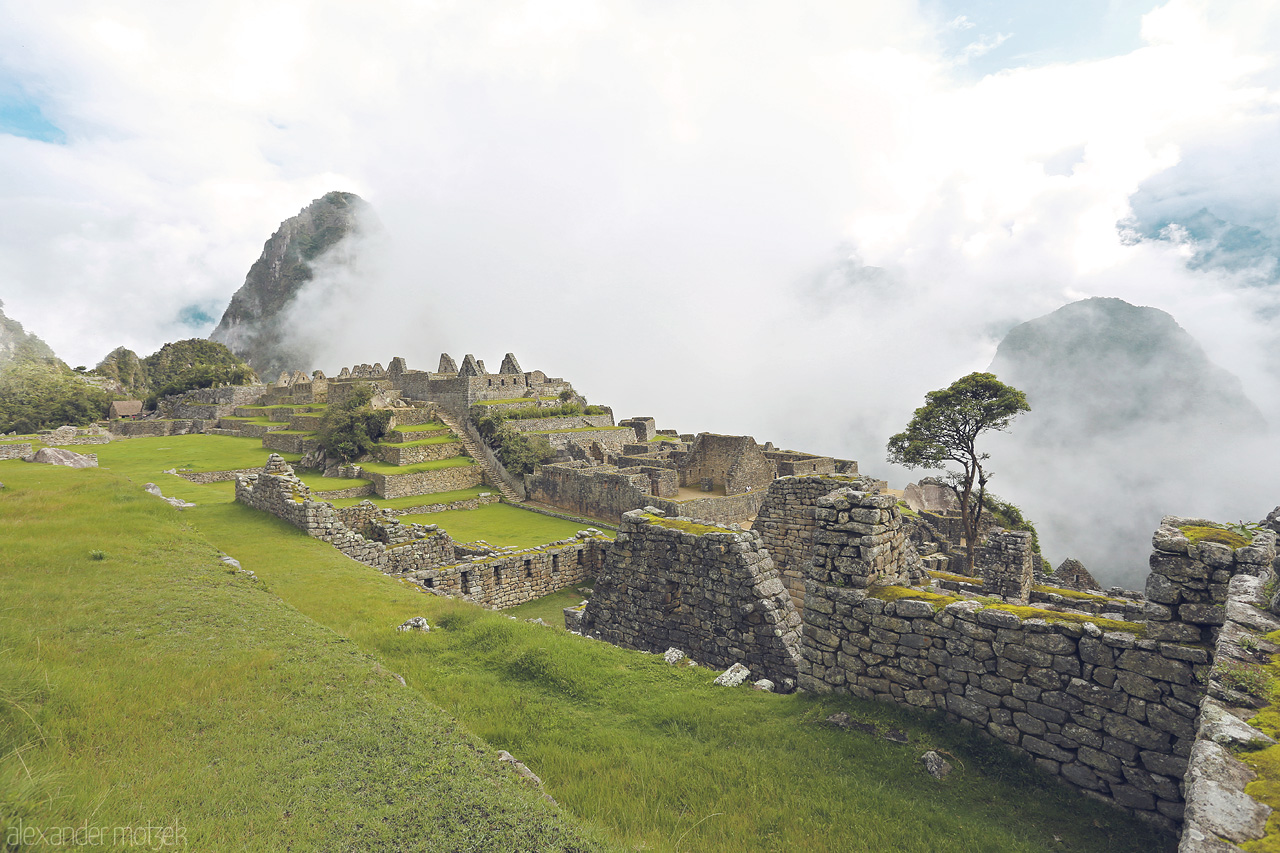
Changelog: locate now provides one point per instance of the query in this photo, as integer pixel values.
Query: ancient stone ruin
(1104, 692)
(712, 592)
(423, 553)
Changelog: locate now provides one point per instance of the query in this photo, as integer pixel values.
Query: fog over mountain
(790, 221)
(257, 325)
(1129, 421)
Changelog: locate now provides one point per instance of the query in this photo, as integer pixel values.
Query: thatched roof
(124, 409)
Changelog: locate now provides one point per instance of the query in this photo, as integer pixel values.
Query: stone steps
(493, 476)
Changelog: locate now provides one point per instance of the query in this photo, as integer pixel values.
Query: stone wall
(15, 451)
(68, 436)
(600, 491)
(1218, 807)
(564, 422)
(511, 578)
(405, 548)
(711, 592)
(290, 442)
(611, 437)
(483, 499)
(424, 482)
(1187, 586)
(423, 553)
(791, 464)
(1007, 566)
(718, 509)
(1108, 711)
(206, 477)
(154, 428)
(415, 454)
(734, 463)
(786, 522)
(209, 403)
(1110, 706)
(606, 492)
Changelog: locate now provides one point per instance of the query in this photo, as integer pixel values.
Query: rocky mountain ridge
(255, 323)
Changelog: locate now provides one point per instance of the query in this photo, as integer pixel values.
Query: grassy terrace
(262, 716)
(499, 525)
(318, 483)
(427, 427)
(388, 470)
(550, 608)
(435, 439)
(419, 500)
(266, 421)
(516, 400)
(188, 452)
(317, 407)
(575, 429)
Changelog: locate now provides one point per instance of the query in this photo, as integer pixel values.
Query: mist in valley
(789, 225)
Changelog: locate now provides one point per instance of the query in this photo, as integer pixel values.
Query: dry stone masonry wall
(1220, 814)
(1108, 705)
(423, 553)
(711, 592)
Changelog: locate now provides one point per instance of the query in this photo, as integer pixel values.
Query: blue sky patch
(20, 115)
(990, 36)
(195, 316)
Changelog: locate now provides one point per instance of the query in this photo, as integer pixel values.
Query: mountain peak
(254, 326)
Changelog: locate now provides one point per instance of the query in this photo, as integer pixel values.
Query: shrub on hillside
(43, 394)
(518, 452)
(202, 376)
(350, 430)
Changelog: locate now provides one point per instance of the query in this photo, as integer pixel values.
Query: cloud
(791, 223)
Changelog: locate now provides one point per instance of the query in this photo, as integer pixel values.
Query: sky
(789, 220)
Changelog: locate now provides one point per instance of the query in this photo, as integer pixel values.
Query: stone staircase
(496, 476)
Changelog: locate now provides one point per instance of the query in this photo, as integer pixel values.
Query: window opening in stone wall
(431, 583)
(580, 560)
(528, 568)
(555, 563)
(497, 575)
(466, 582)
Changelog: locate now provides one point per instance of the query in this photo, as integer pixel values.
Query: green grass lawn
(419, 500)
(185, 452)
(499, 524)
(288, 741)
(384, 468)
(156, 687)
(550, 608)
(264, 421)
(319, 483)
(431, 426)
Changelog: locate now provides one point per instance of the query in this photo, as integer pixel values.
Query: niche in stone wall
(672, 597)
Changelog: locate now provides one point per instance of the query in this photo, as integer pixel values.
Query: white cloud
(630, 194)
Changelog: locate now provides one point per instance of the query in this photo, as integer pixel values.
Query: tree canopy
(946, 429)
(350, 430)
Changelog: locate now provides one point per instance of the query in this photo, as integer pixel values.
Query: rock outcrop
(254, 326)
(16, 344)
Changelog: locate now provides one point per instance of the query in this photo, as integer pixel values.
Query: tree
(350, 430)
(40, 394)
(946, 429)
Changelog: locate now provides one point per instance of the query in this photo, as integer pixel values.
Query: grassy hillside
(653, 756)
(143, 683)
